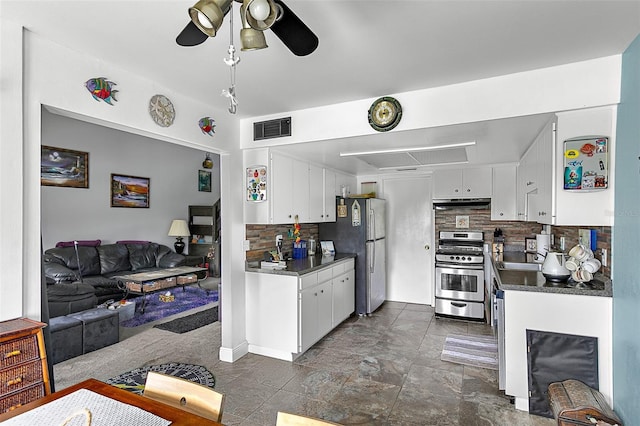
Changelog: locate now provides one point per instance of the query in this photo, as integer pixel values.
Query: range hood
(462, 203)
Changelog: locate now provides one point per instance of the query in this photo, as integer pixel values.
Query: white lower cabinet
(287, 314)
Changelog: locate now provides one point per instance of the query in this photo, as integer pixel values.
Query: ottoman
(100, 328)
(66, 338)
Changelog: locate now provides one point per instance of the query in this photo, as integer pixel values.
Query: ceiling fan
(257, 16)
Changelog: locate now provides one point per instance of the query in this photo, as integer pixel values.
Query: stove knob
(451, 257)
(457, 257)
(463, 258)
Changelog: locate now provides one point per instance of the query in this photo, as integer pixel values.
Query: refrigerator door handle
(372, 261)
(371, 231)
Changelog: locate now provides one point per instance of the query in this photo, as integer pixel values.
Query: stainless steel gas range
(460, 275)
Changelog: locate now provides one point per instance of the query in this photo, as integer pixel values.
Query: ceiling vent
(272, 129)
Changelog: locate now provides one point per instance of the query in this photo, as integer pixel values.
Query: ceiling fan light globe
(261, 21)
(208, 15)
(252, 39)
(259, 9)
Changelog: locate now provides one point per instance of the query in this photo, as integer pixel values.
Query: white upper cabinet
(503, 198)
(585, 207)
(296, 190)
(462, 183)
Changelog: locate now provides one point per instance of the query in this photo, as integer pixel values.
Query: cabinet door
(300, 191)
(281, 189)
(316, 194)
(325, 309)
(308, 329)
(329, 204)
(545, 203)
(476, 182)
(447, 183)
(343, 297)
(503, 198)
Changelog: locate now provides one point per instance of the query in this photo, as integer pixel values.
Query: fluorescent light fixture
(421, 166)
(421, 148)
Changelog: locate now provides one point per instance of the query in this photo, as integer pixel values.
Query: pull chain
(231, 61)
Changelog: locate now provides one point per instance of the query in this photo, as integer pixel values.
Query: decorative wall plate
(161, 110)
(385, 114)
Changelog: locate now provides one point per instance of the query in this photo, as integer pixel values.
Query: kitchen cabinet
(295, 189)
(503, 194)
(462, 183)
(541, 196)
(287, 314)
(584, 207)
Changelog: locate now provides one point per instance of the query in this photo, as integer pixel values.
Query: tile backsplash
(263, 238)
(515, 232)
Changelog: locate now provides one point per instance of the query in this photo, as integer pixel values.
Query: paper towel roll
(542, 246)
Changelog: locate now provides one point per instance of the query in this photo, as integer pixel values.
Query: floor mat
(134, 380)
(476, 351)
(191, 297)
(190, 322)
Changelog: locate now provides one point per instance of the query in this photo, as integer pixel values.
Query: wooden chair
(288, 419)
(183, 394)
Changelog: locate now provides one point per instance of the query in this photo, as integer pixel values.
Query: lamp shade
(179, 228)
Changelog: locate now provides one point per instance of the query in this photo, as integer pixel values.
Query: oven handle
(458, 304)
(477, 267)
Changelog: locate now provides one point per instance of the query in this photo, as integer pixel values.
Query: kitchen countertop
(300, 266)
(601, 285)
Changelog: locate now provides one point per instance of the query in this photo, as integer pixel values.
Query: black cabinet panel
(555, 357)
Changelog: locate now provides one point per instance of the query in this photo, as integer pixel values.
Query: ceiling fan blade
(293, 32)
(191, 36)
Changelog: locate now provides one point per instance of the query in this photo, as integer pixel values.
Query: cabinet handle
(10, 354)
(289, 216)
(321, 291)
(315, 294)
(529, 183)
(15, 381)
(468, 190)
(501, 214)
(455, 190)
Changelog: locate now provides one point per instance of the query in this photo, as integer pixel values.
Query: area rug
(475, 351)
(134, 380)
(192, 297)
(190, 322)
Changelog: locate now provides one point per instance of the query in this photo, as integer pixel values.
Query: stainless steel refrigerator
(362, 232)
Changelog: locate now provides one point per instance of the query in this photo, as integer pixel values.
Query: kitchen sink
(519, 266)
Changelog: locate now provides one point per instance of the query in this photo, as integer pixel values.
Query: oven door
(460, 282)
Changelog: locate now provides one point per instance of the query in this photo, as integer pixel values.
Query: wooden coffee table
(145, 283)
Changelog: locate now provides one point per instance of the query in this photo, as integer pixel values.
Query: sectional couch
(78, 282)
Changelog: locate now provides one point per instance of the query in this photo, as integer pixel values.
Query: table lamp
(179, 229)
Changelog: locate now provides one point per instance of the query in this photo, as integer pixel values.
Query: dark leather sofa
(73, 286)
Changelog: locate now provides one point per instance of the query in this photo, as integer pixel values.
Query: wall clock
(161, 110)
(385, 114)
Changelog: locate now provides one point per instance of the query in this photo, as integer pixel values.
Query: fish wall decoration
(207, 125)
(101, 88)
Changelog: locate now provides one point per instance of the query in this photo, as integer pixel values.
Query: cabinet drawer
(20, 376)
(25, 396)
(343, 267)
(308, 280)
(18, 351)
(325, 274)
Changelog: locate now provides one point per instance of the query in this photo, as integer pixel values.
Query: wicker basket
(187, 279)
(20, 398)
(18, 351)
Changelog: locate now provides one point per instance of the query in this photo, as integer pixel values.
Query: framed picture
(64, 167)
(204, 181)
(257, 183)
(530, 245)
(129, 191)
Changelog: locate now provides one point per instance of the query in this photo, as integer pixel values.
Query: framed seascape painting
(204, 181)
(129, 191)
(64, 167)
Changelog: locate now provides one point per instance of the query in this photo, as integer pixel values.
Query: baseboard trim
(234, 354)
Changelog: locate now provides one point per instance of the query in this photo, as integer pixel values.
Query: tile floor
(379, 370)
(384, 369)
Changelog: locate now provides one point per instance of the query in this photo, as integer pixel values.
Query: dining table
(95, 403)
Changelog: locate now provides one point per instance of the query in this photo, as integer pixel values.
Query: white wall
(86, 214)
(545, 90)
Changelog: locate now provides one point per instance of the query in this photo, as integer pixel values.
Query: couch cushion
(91, 243)
(113, 258)
(142, 255)
(89, 259)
